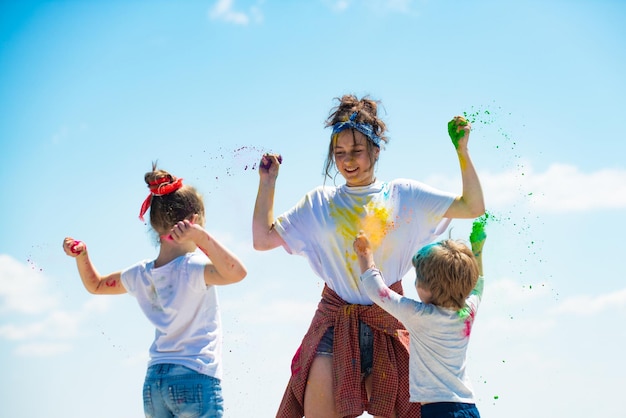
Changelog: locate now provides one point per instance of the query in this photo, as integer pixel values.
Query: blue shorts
(171, 390)
(366, 345)
(450, 410)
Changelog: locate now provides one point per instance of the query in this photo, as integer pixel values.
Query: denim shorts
(450, 410)
(172, 390)
(366, 345)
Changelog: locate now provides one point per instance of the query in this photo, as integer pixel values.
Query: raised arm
(264, 236)
(477, 240)
(94, 282)
(471, 203)
(225, 267)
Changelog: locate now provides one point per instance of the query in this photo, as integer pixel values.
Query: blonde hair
(167, 210)
(448, 269)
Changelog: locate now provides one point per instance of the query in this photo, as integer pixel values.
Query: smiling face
(355, 157)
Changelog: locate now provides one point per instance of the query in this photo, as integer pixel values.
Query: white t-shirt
(399, 217)
(183, 310)
(438, 341)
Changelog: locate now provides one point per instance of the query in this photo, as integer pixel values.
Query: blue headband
(365, 128)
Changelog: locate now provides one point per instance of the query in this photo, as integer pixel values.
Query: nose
(347, 157)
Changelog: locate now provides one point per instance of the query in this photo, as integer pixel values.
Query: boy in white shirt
(449, 283)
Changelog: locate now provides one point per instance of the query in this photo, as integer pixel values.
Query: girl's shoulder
(321, 193)
(406, 183)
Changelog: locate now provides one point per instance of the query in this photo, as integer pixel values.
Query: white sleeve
(401, 307)
(294, 226)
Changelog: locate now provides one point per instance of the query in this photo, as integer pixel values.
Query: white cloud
(586, 305)
(224, 10)
(23, 289)
(562, 188)
(398, 6)
(539, 297)
(282, 311)
(33, 318)
(271, 310)
(515, 293)
(57, 324)
(339, 5)
(42, 349)
(97, 305)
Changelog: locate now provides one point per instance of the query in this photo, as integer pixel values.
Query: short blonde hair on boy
(448, 269)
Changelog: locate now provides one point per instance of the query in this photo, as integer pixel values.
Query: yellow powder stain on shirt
(373, 218)
(354, 275)
(347, 221)
(376, 223)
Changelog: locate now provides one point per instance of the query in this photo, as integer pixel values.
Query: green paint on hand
(455, 133)
(478, 228)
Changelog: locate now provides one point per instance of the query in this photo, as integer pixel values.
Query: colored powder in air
(478, 228)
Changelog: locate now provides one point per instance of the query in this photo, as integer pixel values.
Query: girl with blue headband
(354, 357)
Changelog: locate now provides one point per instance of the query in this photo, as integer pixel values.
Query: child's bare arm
(477, 240)
(225, 267)
(94, 283)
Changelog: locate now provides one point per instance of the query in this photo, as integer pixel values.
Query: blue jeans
(366, 345)
(171, 390)
(450, 410)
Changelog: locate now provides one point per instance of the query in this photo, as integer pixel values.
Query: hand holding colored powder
(457, 129)
(478, 235)
(73, 247)
(266, 160)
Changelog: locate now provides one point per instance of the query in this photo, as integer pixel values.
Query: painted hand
(459, 129)
(361, 244)
(478, 234)
(73, 247)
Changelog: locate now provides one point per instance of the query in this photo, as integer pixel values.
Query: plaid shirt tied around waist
(390, 369)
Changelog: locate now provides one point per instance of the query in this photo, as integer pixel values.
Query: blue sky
(92, 92)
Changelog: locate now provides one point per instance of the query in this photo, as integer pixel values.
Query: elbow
(240, 274)
(94, 290)
(235, 276)
(474, 209)
(257, 245)
(478, 211)
(261, 244)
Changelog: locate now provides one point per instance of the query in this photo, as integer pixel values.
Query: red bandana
(160, 187)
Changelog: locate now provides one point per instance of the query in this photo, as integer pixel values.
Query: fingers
(361, 242)
(181, 229)
(267, 160)
(460, 123)
(73, 247)
(458, 129)
(178, 230)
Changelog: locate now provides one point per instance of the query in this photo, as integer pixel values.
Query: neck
(171, 250)
(372, 181)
